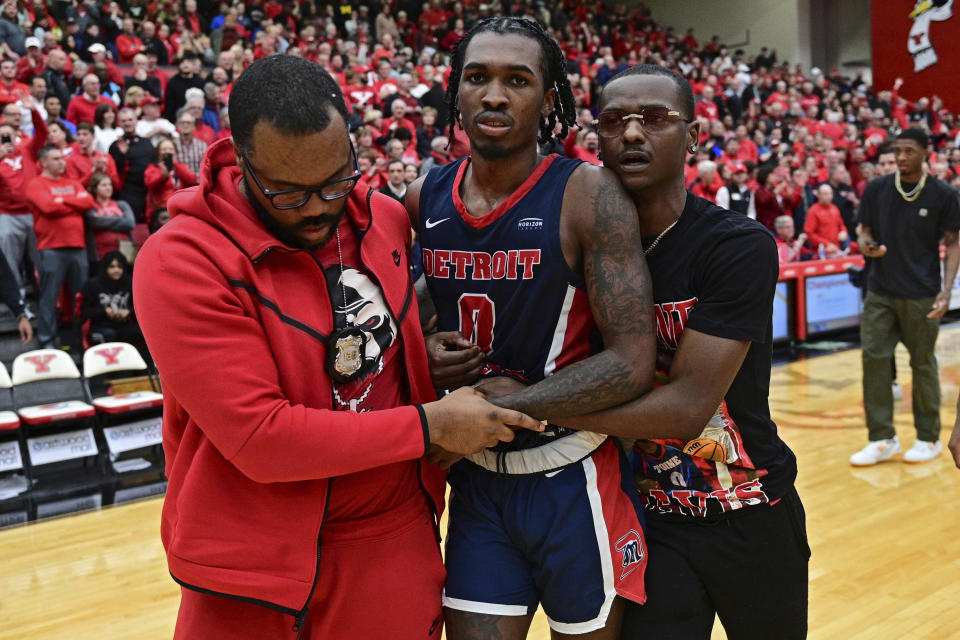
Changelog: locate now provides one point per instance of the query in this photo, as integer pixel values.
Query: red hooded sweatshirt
(237, 323)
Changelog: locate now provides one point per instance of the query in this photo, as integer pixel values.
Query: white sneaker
(897, 391)
(876, 451)
(923, 451)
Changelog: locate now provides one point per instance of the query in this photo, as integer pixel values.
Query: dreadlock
(555, 74)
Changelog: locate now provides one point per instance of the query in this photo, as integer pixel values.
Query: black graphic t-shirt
(380, 385)
(716, 272)
(911, 231)
(353, 293)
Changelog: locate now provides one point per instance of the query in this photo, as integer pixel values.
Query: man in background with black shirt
(132, 154)
(185, 78)
(903, 216)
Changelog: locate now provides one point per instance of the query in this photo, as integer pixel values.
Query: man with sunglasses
(726, 527)
(278, 306)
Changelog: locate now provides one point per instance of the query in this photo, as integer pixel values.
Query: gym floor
(886, 553)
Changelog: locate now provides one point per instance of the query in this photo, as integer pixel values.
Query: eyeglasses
(294, 198)
(612, 124)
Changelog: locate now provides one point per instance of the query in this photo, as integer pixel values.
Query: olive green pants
(885, 322)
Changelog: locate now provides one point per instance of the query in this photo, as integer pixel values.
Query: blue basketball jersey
(503, 282)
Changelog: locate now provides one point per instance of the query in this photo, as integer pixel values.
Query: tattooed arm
(600, 236)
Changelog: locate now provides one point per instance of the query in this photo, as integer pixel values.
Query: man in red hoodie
(58, 204)
(298, 404)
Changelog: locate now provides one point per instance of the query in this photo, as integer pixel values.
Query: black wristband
(426, 429)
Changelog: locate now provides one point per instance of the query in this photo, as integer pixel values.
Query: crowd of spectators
(137, 90)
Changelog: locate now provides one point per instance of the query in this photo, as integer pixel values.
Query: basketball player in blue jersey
(729, 539)
(531, 263)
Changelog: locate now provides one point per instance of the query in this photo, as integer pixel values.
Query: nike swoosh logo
(430, 224)
(552, 473)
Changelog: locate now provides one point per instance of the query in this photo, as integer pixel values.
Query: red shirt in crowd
(81, 167)
(707, 191)
(58, 207)
(823, 225)
(204, 132)
(768, 206)
(780, 98)
(127, 47)
(13, 92)
(20, 167)
(707, 110)
(82, 109)
(573, 150)
(832, 129)
(390, 125)
(809, 100)
(358, 96)
(26, 67)
(160, 187)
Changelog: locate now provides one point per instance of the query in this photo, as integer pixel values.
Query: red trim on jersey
(628, 545)
(479, 222)
(576, 339)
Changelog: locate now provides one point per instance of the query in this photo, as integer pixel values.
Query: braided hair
(555, 74)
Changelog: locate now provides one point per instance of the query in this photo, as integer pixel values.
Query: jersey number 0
(477, 315)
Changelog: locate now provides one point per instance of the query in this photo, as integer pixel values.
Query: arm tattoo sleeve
(620, 292)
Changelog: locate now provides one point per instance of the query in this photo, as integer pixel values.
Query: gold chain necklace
(915, 193)
(657, 240)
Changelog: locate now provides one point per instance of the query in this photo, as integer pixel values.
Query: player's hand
(454, 361)
(939, 307)
(442, 458)
(872, 249)
(463, 422)
(498, 386)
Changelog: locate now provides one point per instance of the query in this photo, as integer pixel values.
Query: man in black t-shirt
(725, 525)
(132, 154)
(903, 217)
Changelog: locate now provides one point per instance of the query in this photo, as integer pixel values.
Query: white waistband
(554, 455)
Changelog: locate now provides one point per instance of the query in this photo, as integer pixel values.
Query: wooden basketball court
(885, 539)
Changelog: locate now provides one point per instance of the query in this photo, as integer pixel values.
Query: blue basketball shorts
(569, 540)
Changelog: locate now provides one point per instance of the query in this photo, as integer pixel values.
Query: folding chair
(64, 458)
(129, 410)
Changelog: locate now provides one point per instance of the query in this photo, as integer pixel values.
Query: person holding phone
(165, 175)
(18, 166)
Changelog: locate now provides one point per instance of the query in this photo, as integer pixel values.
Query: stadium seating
(14, 480)
(130, 420)
(64, 459)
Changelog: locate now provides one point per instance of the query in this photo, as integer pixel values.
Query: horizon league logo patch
(632, 552)
(526, 224)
